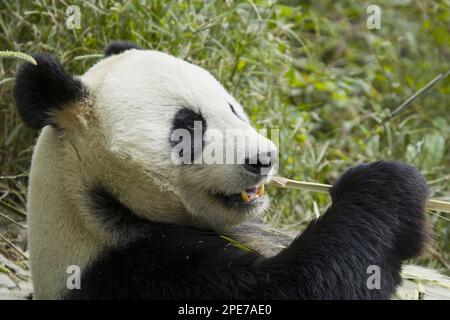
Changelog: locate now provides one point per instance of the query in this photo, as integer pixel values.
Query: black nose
(260, 164)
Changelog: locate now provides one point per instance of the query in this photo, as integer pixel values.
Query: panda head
(159, 133)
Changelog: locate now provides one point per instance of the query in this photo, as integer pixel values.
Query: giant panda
(105, 197)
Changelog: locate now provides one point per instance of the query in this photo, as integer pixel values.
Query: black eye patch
(187, 119)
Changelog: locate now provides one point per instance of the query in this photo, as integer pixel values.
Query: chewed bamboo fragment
(435, 205)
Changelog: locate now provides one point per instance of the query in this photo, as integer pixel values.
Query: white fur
(119, 137)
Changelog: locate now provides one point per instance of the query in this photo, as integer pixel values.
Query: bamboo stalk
(438, 205)
(422, 90)
(14, 247)
(12, 209)
(435, 205)
(4, 216)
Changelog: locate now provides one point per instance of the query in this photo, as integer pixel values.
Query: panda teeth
(252, 194)
(244, 196)
(261, 190)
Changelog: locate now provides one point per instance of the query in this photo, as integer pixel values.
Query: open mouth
(252, 194)
(247, 197)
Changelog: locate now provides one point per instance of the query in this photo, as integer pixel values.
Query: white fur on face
(136, 96)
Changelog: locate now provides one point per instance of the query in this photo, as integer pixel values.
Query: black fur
(376, 219)
(43, 88)
(112, 216)
(117, 47)
(185, 119)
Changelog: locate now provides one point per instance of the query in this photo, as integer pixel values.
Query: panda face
(142, 101)
(127, 133)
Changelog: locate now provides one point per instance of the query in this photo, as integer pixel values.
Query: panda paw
(393, 194)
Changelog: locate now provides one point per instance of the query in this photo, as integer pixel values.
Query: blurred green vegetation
(314, 70)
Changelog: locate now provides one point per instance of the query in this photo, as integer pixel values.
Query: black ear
(117, 47)
(43, 88)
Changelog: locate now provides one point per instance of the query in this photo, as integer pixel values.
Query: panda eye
(235, 113)
(232, 110)
(186, 118)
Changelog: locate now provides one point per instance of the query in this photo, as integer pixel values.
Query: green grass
(314, 71)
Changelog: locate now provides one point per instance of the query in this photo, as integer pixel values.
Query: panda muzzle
(254, 193)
